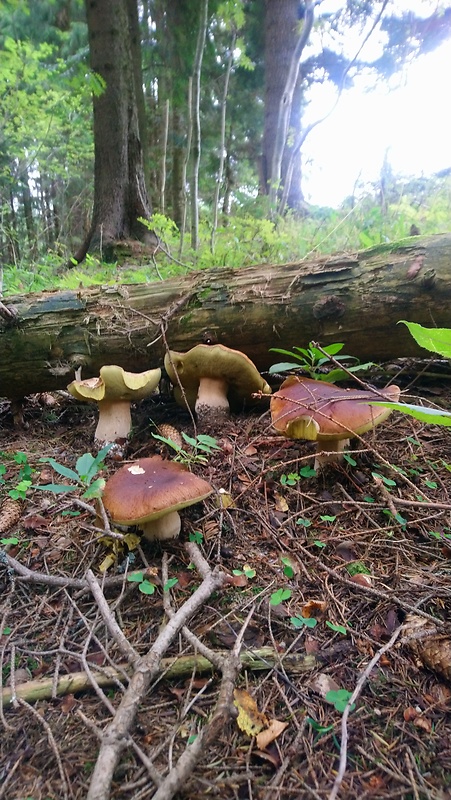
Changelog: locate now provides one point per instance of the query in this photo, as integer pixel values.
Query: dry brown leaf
(362, 579)
(274, 729)
(323, 684)
(68, 703)
(281, 503)
(432, 649)
(250, 719)
(313, 607)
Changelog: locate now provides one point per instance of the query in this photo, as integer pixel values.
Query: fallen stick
(170, 668)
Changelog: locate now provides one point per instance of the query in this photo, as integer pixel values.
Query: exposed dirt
(362, 552)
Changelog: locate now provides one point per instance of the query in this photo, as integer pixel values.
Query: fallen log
(353, 298)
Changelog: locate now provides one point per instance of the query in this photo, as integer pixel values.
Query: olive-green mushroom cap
(236, 375)
(113, 391)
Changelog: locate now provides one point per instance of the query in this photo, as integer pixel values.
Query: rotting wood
(356, 299)
(263, 658)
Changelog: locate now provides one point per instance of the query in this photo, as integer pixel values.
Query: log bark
(356, 299)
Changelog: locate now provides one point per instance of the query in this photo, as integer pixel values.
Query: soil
(352, 555)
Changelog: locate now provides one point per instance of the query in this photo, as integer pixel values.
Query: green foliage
(312, 361)
(339, 698)
(293, 478)
(303, 622)
(145, 586)
(22, 478)
(84, 475)
(436, 340)
(279, 596)
(201, 444)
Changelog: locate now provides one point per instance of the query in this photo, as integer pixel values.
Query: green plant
(436, 340)
(301, 622)
(294, 477)
(24, 476)
(200, 444)
(84, 475)
(339, 698)
(145, 586)
(248, 571)
(313, 361)
(279, 596)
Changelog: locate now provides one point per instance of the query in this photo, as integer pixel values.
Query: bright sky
(411, 118)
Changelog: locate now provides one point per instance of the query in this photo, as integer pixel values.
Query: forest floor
(358, 557)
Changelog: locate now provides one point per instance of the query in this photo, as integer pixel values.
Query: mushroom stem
(332, 455)
(115, 420)
(212, 398)
(166, 527)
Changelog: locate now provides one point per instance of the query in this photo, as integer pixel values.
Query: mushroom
(211, 376)
(113, 391)
(323, 412)
(150, 492)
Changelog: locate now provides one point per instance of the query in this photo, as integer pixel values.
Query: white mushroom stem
(166, 527)
(115, 421)
(212, 394)
(329, 452)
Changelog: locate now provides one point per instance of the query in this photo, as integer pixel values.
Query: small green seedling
(23, 478)
(9, 540)
(279, 596)
(145, 586)
(247, 571)
(288, 570)
(313, 362)
(86, 469)
(196, 536)
(294, 477)
(303, 622)
(202, 446)
(338, 628)
(339, 698)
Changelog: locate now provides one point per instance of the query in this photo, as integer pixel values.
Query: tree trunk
(196, 140)
(120, 194)
(355, 299)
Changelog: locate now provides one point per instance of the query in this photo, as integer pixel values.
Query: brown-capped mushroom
(328, 414)
(213, 377)
(113, 391)
(150, 492)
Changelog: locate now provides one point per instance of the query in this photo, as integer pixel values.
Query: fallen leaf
(313, 607)
(323, 684)
(68, 703)
(34, 521)
(250, 719)
(362, 579)
(266, 736)
(345, 550)
(281, 503)
(269, 755)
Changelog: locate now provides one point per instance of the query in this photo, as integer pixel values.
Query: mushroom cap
(214, 361)
(149, 488)
(114, 383)
(319, 411)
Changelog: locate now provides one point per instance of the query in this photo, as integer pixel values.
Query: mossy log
(353, 298)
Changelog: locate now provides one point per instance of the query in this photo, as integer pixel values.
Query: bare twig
(344, 720)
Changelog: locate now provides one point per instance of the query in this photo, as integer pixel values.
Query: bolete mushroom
(150, 492)
(212, 377)
(328, 414)
(113, 391)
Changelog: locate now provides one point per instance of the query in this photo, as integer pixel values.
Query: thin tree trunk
(164, 149)
(222, 141)
(203, 21)
(286, 104)
(356, 299)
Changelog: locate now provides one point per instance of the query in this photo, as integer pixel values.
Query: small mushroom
(212, 377)
(323, 412)
(150, 492)
(113, 391)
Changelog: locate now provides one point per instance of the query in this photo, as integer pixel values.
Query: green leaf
(84, 465)
(300, 622)
(95, 490)
(6, 631)
(9, 540)
(196, 536)
(56, 488)
(387, 481)
(321, 729)
(170, 584)
(436, 340)
(146, 587)
(135, 577)
(279, 596)
(304, 522)
(328, 518)
(333, 349)
(432, 416)
(339, 698)
(337, 628)
(283, 366)
(62, 470)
